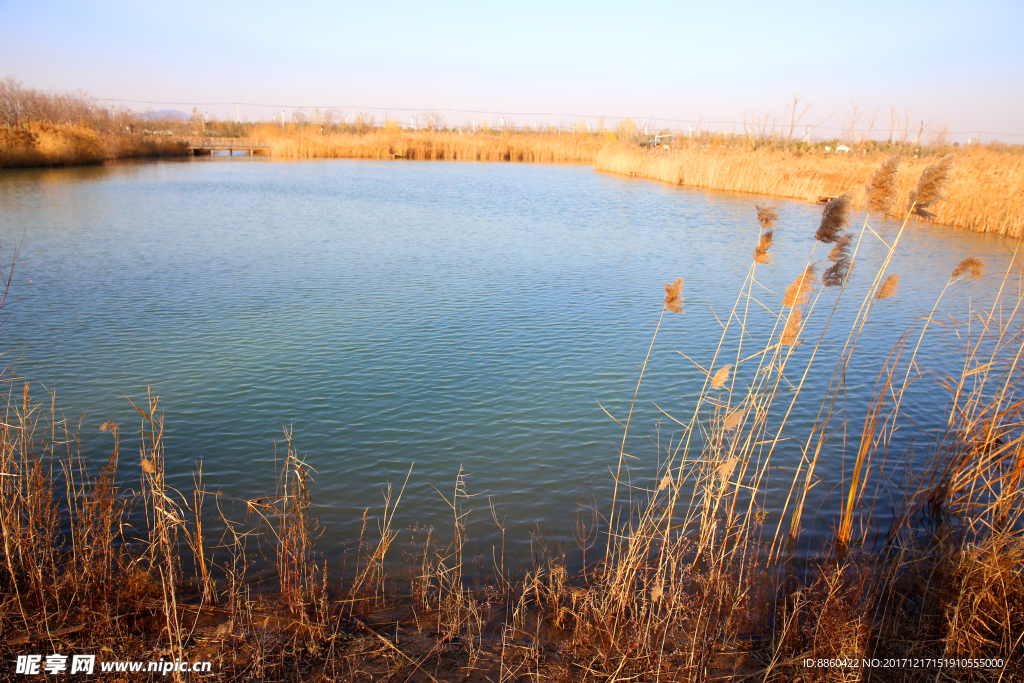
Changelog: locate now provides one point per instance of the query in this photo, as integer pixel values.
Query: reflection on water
(441, 314)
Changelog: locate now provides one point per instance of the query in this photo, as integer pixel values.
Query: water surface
(389, 313)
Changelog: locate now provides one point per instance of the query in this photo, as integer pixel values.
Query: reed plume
(792, 330)
(799, 291)
(834, 218)
(971, 266)
(721, 377)
(725, 469)
(888, 287)
(761, 254)
(836, 274)
(930, 187)
(673, 296)
(733, 420)
(767, 216)
(882, 187)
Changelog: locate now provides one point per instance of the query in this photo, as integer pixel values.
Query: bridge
(210, 145)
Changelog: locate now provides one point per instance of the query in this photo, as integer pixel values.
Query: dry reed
(721, 377)
(985, 194)
(888, 287)
(799, 290)
(836, 274)
(673, 296)
(764, 243)
(971, 266)
(432, 145)
(767, 216)
(930, 187)
(834, 218)
(791, 332)
(882, 188)
(41, 144)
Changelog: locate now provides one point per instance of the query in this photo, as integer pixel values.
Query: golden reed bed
(44, 144)
(431, 146)
(986, 193)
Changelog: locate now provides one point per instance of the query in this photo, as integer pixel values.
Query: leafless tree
(794, 117)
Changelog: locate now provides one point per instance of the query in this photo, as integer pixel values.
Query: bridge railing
(228, 143)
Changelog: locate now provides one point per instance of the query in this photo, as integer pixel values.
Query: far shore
(986, 192)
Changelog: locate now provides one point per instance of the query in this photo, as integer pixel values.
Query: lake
(444, 314)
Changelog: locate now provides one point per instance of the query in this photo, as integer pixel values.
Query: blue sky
(947, 62)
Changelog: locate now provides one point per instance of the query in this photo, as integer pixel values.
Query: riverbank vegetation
(985, 193)
(67, 129)
(684, 575)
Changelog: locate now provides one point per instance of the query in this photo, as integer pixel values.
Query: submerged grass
(691, 583)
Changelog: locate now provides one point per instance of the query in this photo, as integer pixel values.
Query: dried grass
(42, 144)
(971, 266)
(761, 254)
(834, 218)
(791, 332)
(799, 290)
(837, 274)
(767, 216)
(930, 187)
(882, 188)
(985, 193)
(888, 287)
(673, 296)
(432, 145)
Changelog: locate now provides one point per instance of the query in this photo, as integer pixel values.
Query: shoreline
(985, 193)
(57, 146)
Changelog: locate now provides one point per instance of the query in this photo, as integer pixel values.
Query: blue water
(441, 314)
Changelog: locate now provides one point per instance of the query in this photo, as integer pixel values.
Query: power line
(506, 113)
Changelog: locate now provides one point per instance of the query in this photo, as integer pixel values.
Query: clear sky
(948, 62)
